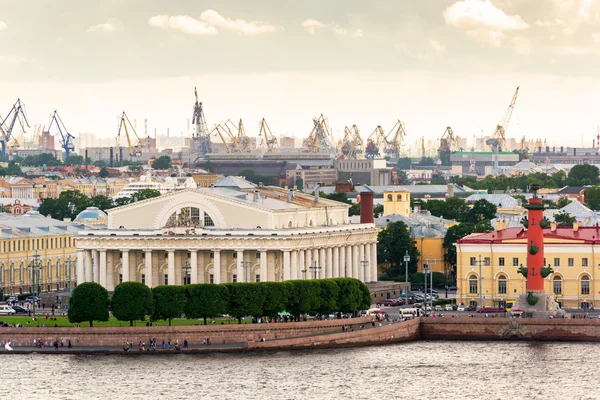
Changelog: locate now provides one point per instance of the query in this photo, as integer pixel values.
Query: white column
(349, 260)
(322, 264)
(286, 265)
(336, 262)
(217, 266)
(88, 266)
(316, 263)
(355, 262)
(171, 267)
(361, 258)
(329, 268)
(342, 262)
(194, 266)
(263, 266)
(308, 263)
(294, 266)
(301, 264)
(125, 265)
(96, 266)
(241, 276)
(369, 260)
(148, 268)
(80, 267)
(110, 270)
(374, 262)
(103, 267)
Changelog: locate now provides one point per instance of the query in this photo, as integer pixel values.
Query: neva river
(419, 370)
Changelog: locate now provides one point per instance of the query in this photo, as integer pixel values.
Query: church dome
(92, 216)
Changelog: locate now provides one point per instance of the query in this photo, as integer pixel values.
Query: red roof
(585, 234)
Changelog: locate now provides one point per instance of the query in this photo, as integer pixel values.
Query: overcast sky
(429, 63)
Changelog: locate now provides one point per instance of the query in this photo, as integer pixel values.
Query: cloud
(482, 20)
(522, 45)
(108, 26)
(584, 9)
(208, 23)
(3, 26)
(214, 19)
(182, 23)
(311, 25)
(437, 47)
(570, 51)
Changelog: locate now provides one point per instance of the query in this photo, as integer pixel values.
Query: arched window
(2, 273)
(502, 284)
(399, 197)
(186, 217)
(11, 273)
(390, 197)
(473, 284)
(290, 224)
(21, 273)
(49, 270)
(585, 285)
(557, 285)
(57, 274)
(208, 220)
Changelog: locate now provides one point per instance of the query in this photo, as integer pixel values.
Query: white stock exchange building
(234, 231)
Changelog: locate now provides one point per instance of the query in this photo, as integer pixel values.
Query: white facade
(233, 232)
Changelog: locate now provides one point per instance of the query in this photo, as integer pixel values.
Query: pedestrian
(169, 344)
(69, 344)
(185, 344)
(56, 344)
(7, 345)
(163, 344)
(34, 342)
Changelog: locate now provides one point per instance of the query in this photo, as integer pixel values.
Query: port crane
(374, 141)
(135, 147)
(449, 143)
(268, 139)
(393, 140)
(201, 135)
(500, 132)
(66, 139)
(7, 125)
(320, 139)
(352, 143)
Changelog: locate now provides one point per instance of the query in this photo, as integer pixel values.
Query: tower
(200, 136)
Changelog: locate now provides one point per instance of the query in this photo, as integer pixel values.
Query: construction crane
(218, 130)
(135, 146)
(244, 143)
(7, 125)
(66, 141)
(320, 139)
(374, 142)
(268, 139)
(393, 140)
(500, 132)
(448, 144)
(352, 143)
(201, 135)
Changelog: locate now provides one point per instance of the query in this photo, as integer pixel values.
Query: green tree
(132, 301)
(103, 173)
(351, 297)
(394, 241)
(100, 201)
(205, 301)
(209, 167)
(145, 194)
(68, 205)
(564, 219)
(169, 302)
(378, 210)
(341, 197)
(438, 180)
(481, 210)
(299, 184)
(583, 174)
(521, 198)
(592, 198)
(121, 201)
(563, 202)
(457, 232)
(88, 303)
(367, 300)
(162, 162)
(74, 159)
(135, 166)
(354, 209)
(452, 208)
(244, 299)
(328, 302)
(404, 163)
(276, 295)
(426, 161)
(304, 298)
(100, 163)
(13, 169)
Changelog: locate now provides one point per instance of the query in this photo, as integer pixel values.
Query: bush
(89, 302)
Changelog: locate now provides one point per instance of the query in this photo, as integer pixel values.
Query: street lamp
(246, 264)
(304, 271)
(406, 260)
(186, 269)
(315, 269)
(365, 264)
(35, 267)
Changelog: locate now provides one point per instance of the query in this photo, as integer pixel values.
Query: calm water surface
(423, 370)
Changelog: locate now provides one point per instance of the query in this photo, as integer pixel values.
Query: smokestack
(121, 155)
(366, 208)
(451, 190)
(86, 158)
(111, 156)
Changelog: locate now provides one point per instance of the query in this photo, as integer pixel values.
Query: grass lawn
(64, 321)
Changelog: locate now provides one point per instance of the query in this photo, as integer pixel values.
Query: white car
(448, 307)
(7, 310)
(460, 308)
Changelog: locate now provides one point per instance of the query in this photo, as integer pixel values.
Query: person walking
(7, 345)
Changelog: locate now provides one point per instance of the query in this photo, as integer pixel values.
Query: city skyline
(430, 64)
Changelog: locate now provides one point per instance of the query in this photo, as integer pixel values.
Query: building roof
(33, 224)
(499, 200)
(422, 224)
(586, 234)
(572, 189)
(576, 209)
(234, 182)
(413, 189)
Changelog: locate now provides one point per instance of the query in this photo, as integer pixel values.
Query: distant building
(396, 202)
(312, 176)
(366, 172)
(17, 208)
(47, 141)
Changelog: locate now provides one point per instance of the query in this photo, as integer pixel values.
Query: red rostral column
(535, 240)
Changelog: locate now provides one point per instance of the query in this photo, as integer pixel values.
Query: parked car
(448, 307)
(461, 308)
(452, 288)
(32, 299)
(6, 310)
(19, 310)
(417, 288)
(490, 310)
(438, 308)
(386, 302)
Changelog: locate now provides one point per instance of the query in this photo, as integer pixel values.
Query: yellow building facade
(487, 266)
(396, 203)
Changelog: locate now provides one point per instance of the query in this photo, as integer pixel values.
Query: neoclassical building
(234, 231)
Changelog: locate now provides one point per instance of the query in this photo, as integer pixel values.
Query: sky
(429, 63)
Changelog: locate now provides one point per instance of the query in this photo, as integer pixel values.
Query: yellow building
(396, 203)
(487, 266)
(24, 236)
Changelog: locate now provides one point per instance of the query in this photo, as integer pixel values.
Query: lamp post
(246, 264)
(365, 264)
(186, 269)
(315, 269)
(35, 267)
(304, 271)
(406, 260)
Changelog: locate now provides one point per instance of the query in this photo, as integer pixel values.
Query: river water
(417, 370)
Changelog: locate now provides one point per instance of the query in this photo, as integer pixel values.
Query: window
(571, 261)
(212, 255)
(57, 270)
(515, 261)
(584, 262)
(472, 261)
(208, 220)
(257, 255)
(2, 274)
(501, 261)
(211, 278)
(234, 278)
(144, 279)
(399, 197)
(120, 278)
(585, 306)
(389, 197)
(11, 274)
(585, 285)
(257, 278)
(49, 270)
(557, 285)
(166, 279)
(234, 254)
(473, 284)
(502, 284)
(486, 261)
(473, 303)
(557, 262)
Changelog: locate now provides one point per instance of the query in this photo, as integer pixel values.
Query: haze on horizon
(429, 63)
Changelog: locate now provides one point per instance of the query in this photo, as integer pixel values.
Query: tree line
(134, 301)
